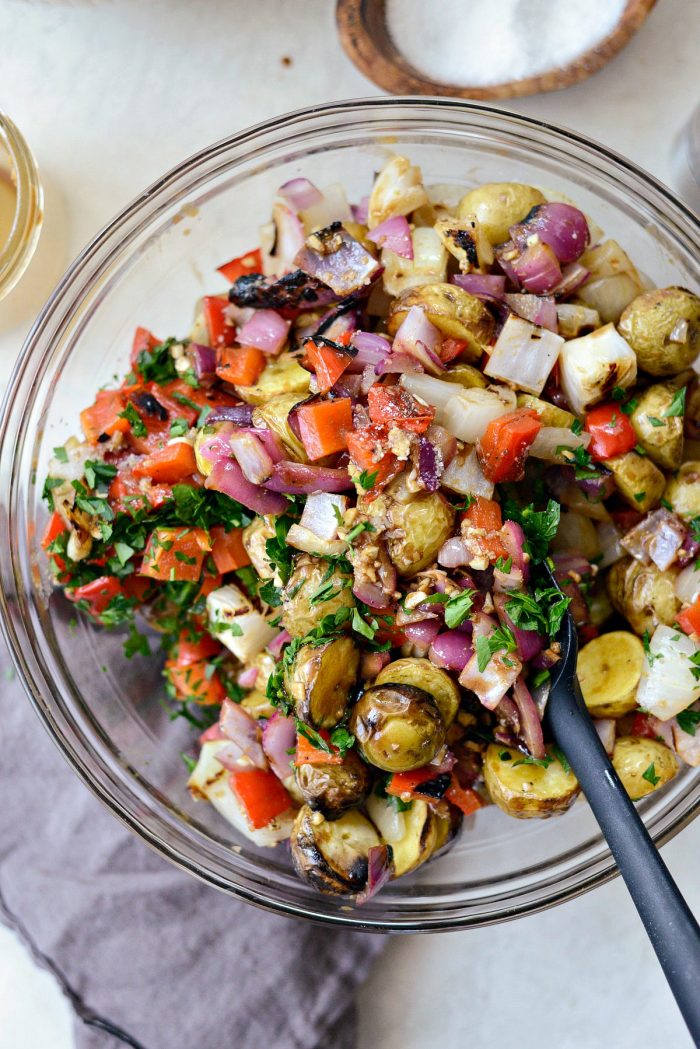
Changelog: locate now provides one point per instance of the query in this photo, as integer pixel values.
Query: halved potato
(643, 594)
(527, 791)
(412, 834)
(333, 789)
(422, 674)
(550, 414)
(609, 669)
(280, 375)
(639, 762)
(331, 855)
(320, 681)
(452, 310)
(639, 482)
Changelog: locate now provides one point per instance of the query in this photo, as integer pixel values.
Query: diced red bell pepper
(170, 465)
(98, 594)
(308, 754)
(189, 651)
(261, 795)
(324, 426)
(464, 798)
(242, 266)
(54, 528)
(407, 785)
(228, 551)
(137, 588)
(484, 513)
(502, 449)
(365, 448)
(128, 493)
(175, 554)
(394, 406)
(451, 349)
(611, 431)
(221, 331)
(143, 341)
(195, 681)
(689, 618)
(327, 362)
(241, 365)
(209, 583)
(104, 416)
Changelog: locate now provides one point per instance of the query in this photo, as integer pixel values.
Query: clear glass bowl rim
(78, 280)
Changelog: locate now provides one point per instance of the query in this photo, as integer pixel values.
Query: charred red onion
(305, 478)
(227, 477)
(278, 738)
(395, 234)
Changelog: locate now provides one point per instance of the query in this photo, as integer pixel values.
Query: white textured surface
(110, 95)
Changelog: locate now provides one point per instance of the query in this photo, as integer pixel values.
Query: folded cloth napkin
(148, 956)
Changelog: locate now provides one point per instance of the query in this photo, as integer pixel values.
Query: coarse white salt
(475, 43)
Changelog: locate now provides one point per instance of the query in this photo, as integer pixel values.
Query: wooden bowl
(365, 37)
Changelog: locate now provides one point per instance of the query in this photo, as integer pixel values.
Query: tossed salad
(328, 502)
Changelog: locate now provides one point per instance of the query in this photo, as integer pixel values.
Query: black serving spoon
(671, 927)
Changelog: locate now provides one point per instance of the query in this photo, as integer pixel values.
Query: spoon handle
(669, 922)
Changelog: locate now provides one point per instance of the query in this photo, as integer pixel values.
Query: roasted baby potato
(692, 410)
(663, 328)
(499, 205)
(454, 311)
(281, 375)
(333, 789)
(527, 791)
(642, 594)
(609, 668)
(465, 375)
(683, 491)
(299, 615)
(418, 528)
(397, 727)
(660, 434)
(421, 673)
(331, 855)
(639, 482)
(412, 834)
(449, 824)
(321, 679)
(274, 414)
(549, 414)
(255, 537)
(639, 762)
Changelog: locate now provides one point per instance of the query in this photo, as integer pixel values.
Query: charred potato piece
(331, 855)
(609, 668)
(499, 205)
(452, 310)
(527, 791)
(320, 680)
(639, 482)
(274, 415)
(449, 823)
(298, 613)
(683, 491)
(465, 375)
(660, 435)
(412, 834)
(281, 375)
(663, 328)
(333, 789)
(255, 537)
(644, 595)
(418, 528)
(421, 673)
(639, 761)
(549, 414)
(397, 727)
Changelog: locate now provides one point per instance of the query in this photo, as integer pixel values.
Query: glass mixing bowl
(148, 267)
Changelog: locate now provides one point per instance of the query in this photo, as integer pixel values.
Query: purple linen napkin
(148, 956)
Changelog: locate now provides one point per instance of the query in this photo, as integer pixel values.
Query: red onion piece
(482, 285)
(248, 677)
(605, 727)
(498, 676)
(572, 277)
(334, 257)
(371, 349)
(567, 569)
(238, 414)
(336, 323)
(530, 724)
(379, 868)
(277, 644)
(348, 386)
(430, 466)
(561, 227)
(529, 642)
(454, 553)
(596, 488)
(305, 478)
(218, 444)
(252, 458)
(372, 663)
(288, 240)
(443, 441)
(398, 364)
(266, 330)
(360, 211)
(539, 309)
(657, 538)
(505, 253)
(237, 725)
(278, 738)
(203, 360)
(451, 650)
(228, 478)
(395, 234)
(300, 194)
(537, 268)
(269, 440)
(213, 732)
(422, 635)
(418, 337)
(514, 541)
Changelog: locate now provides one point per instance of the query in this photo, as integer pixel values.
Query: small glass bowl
(148, 267)
(18, 166)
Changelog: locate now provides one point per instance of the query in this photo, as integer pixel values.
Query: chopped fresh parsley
(270, 594)
(138, 427)
(695, 661)
(358, 529)
(368, 480)
(136, 643)
(647, 648)
(314, 738)
(640, 450)
(457, 608)
(157, 365)
(577, 427)
(190, 763)
(500, 640)
(654, 421)
(540, 526)
(542, 611)
(677, 405)
(640, 497)
(543, 763)
(98, 474)
(540, 678)
(650, 776)
(342, 739)
(688, 721)
(179, 427)
(504, 566)
(561, 758)
(61, 454)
